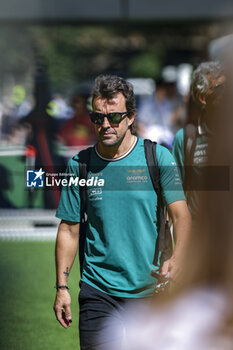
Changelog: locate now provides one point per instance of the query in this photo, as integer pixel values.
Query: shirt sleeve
(170, 180)
(178, 152)
(69, 204)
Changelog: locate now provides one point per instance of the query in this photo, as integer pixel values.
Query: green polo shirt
(200, 161)
(121, 237)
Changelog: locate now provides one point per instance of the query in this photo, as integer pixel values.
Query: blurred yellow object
(52, 108)
(18, 94)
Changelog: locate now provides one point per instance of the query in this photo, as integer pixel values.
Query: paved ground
(28, 224)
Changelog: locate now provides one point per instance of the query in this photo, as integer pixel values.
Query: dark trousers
(102, 318)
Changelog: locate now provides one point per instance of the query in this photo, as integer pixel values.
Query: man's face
(109, 134)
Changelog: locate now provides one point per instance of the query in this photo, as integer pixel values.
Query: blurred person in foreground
(191, 143)
(199, 312)
(122, 230)
(78, 130)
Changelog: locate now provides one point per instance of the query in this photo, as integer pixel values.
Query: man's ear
(131, 118)
(201, 99)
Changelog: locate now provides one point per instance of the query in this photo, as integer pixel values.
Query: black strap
(164, 241)
(190, 135)
(84, 158)
(150, 152)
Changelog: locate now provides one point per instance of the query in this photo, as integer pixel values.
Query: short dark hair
(107, 86)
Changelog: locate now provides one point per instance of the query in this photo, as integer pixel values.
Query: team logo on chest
(137, 175)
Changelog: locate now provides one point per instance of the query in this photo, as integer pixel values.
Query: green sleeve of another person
(170, 180)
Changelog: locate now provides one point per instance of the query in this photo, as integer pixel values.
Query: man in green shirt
(121, 234)
(207, 89)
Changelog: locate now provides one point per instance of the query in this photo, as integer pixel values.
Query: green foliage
(146, 64)
(16, 59)
(15, 50)
(70, 52)
(73, 54)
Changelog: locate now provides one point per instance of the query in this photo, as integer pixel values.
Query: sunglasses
(114, 117)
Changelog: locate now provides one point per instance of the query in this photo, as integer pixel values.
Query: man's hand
(62, 307)
(173, 267)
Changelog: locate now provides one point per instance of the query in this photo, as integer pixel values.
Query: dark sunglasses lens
(96, 118)
(115, 118)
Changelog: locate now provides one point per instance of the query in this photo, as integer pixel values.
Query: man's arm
(181, 219)
(65, 251)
